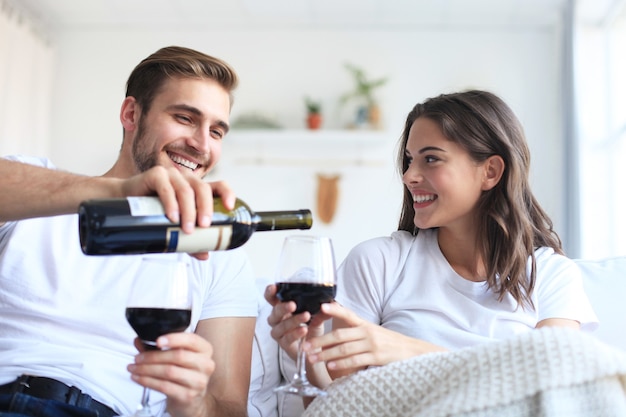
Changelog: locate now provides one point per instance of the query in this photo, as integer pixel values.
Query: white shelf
(308, 147)
(286, 137)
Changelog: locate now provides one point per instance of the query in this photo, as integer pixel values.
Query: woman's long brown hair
(512, 223)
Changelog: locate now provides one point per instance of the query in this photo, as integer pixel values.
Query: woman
(475, 258)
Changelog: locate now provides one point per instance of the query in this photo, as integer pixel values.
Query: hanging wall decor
(327, 196)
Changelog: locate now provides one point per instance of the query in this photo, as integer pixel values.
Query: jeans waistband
(51, 389)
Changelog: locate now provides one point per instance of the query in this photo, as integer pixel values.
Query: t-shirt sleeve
(31, 160)
(364, 274)
(229, 286)
(560, 292)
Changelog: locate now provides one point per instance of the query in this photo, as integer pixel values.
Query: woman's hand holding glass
(352, 345)
(305, 278)
(355, 343)
(289, 328)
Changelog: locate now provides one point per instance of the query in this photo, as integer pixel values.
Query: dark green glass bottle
(135, 225)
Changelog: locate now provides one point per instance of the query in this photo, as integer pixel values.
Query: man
(63, 334)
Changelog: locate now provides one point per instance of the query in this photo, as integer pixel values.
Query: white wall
(278, 68)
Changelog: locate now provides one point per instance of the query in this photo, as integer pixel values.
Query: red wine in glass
(149, 322)
(305, 275)
(159, 303)
(307, 296)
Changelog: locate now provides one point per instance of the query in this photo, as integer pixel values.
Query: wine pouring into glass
(160, 302)
(305, 275)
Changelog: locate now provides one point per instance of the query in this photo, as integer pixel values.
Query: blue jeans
(22, 405)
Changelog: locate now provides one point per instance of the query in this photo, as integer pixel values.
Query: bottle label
(203, 239)
(145, 206)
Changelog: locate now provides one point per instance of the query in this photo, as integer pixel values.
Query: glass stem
(145, 402)
(300, 376)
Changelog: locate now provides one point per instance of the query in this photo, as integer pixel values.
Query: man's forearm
(212, 407)
(30, 191)
(229, 409)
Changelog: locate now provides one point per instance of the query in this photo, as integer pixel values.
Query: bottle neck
(282, 220)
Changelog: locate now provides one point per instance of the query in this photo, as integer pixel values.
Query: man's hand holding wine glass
(181, 370)
(170, 361)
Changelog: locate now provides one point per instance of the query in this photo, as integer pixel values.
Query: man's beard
(143, 158)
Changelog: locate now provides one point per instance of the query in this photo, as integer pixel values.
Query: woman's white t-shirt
(404, 283)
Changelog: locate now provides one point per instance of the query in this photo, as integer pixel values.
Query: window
(600, 83)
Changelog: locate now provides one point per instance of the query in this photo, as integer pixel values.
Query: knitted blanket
(546, 372)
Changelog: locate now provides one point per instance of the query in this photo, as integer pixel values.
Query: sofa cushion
(605, 283)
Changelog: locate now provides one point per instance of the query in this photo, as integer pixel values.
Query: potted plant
(368, 111)
(314, 113)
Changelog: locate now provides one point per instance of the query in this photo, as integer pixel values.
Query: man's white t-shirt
(62, 313)
(404, 283)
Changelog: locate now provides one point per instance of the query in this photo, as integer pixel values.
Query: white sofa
(605, 283)
(271, 367)
(604, 280)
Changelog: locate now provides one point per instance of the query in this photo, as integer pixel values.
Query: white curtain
(600, 83)
(570, 236)
(26, 74)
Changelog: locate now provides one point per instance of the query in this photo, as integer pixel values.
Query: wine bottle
(134, 225)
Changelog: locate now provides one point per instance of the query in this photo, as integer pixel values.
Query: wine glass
(305, 275)
(159, 303)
